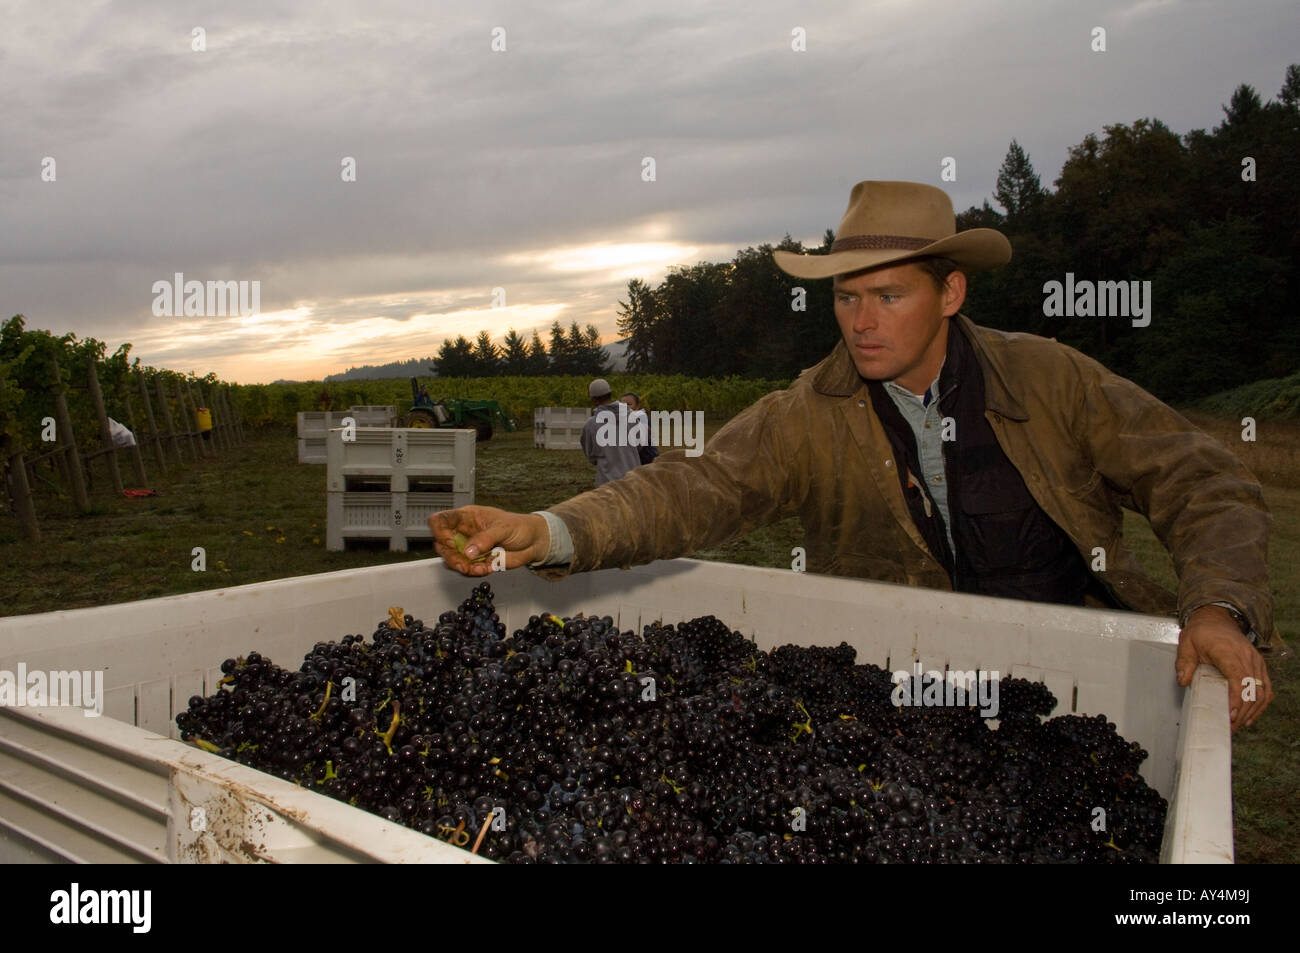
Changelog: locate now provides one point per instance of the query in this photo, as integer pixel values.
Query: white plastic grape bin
(559, 428)
(118, 788)
(386, 482)
(397, 457)
(313, 425)
(316, 423)
(396, 517)
(372, 415)
(311, 449)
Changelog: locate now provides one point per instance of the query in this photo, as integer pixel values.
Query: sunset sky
(522, 168)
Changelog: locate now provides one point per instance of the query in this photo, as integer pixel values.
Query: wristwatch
(1237, 616)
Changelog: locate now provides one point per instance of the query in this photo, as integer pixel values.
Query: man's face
(893, 320)
(631, 401)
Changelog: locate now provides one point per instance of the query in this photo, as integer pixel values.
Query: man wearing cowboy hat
(928, 450)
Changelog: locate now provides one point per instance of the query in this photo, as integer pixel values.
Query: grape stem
(802, 726)
(482, 832)
(460, 539)
(677, 788)
(320, 712)
(387, 736)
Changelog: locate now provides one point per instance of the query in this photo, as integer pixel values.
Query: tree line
(573, 352)
(1209, 218)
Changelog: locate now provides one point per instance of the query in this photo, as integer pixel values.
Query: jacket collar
(836, 375)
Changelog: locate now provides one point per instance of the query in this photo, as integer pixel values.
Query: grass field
(260, 515)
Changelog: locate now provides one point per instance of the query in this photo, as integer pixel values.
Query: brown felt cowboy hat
(892, 221)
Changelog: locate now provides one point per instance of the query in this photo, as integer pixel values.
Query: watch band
(1238, 616)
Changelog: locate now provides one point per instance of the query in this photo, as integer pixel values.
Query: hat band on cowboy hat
(878, 241)
(895, 221)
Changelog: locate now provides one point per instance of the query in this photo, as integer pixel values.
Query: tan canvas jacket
(1085, 440)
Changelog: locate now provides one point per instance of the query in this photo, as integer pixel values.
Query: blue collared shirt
(922, 413)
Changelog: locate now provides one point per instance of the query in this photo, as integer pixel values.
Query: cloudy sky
(522, 168)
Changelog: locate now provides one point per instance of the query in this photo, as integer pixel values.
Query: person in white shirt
(647, 450)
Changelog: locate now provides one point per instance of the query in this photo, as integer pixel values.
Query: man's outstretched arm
(679, 505)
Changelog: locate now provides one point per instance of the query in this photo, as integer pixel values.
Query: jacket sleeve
(1202, 502)
(681, 504)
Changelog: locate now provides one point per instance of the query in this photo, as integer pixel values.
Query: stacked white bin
(373, 415)
(313, 425)
(386, 482)
(559, 428)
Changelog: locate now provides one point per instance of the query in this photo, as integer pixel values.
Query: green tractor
(479, 415)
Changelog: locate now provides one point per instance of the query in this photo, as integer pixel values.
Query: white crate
(561, 416)
(97, 790)
(396, 517)
(401, 458)
(311, 449)
(69, 788)
(557, 438)
(314, 424)
(562, 438)
(559, 428)
(371, 415)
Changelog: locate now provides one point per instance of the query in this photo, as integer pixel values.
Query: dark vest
(1006, 545)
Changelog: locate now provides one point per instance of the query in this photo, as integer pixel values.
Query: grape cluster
(572, 741)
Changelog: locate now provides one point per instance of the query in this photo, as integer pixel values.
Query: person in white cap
(931, 451)
(611, 458)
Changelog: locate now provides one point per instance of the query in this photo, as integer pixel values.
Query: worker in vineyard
(931, 451)
(638, 422)
(611, 458)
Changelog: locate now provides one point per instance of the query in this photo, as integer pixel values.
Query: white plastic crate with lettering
(401, 459)
(120, 788)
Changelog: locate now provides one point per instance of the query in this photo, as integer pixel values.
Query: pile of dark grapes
(570, 741)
